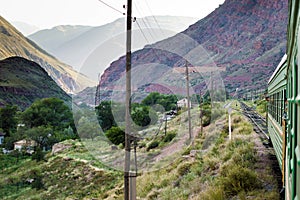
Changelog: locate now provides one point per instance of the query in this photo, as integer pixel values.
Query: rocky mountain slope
(91, 49)
(246, 38)
(23, 81)
(13, 43)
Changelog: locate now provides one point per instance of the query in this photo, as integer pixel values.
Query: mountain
(52, 39)
(23, 81)
(24, 28)
(91, 50)
(13, 43)
(244, 40)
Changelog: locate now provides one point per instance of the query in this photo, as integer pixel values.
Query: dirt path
(177, 146)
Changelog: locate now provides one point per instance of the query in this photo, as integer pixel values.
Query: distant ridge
(91, 49)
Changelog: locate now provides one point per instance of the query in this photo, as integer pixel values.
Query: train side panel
(277, 111)
(293, 97)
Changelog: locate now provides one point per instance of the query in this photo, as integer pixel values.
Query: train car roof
(283, 60)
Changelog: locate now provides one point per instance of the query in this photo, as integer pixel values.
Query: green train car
(277, 110)
(284, 107)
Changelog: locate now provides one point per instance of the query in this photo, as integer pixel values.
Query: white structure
(24, 144)
(1, 138)
(183, 103)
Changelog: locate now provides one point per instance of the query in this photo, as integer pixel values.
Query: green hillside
(13, 43)
(214, 167)
(23, 81)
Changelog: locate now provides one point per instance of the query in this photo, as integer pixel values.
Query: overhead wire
(146, 24)
(142, 31)
(154, 18)
(123, 13)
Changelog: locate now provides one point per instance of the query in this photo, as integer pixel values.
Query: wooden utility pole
(166, 124)
(188, 99)
(201, 114)
(211, 89)
(127, 189)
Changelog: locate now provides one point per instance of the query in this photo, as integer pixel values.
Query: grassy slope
(219, 169)
(61, 176)
(13, 43)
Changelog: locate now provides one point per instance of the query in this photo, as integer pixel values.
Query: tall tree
(8, 119)
(105, 115)
(48, 112)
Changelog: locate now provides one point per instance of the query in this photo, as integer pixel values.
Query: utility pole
(229, 121)
(127, 174)
(211, 89)
(201, 114)
(188, 99)
(166, 126)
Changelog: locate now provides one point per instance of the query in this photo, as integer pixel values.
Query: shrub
(184, 169)
(238, 179)
(152, 145)
(38, 155)
(213, 192)
(116, 135)
(170, 136)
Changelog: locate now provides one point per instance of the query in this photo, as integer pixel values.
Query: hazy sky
(49, 13)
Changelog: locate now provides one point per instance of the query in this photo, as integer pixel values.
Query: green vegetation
(168, 102)
(221, 169)
(58, 177)
(116, 135)
(8, 120)
(213, 168)
(22, 82)
(46, 121)
(110, 114)
(261, 107)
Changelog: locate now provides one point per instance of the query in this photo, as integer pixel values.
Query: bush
(38, 155)
(152, 145)
(239, 179)
(116, 135)
(184, 169)
(170, 136)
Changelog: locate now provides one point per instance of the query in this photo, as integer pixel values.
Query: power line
(111, 7)
(144, 19)
(142, 32)
(154, 18)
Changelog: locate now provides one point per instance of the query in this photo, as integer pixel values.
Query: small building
(24, 144)
(183, 103)
(2, 137)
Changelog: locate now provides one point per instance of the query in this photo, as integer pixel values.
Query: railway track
(260, 127)
(259, 123)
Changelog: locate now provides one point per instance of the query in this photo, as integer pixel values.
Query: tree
(142, 115)
(167, 101)
(151, 99)
(87, 128)
(48, 112)
(116, 135)
(8, 119)
(105, 115)
(44, 136)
